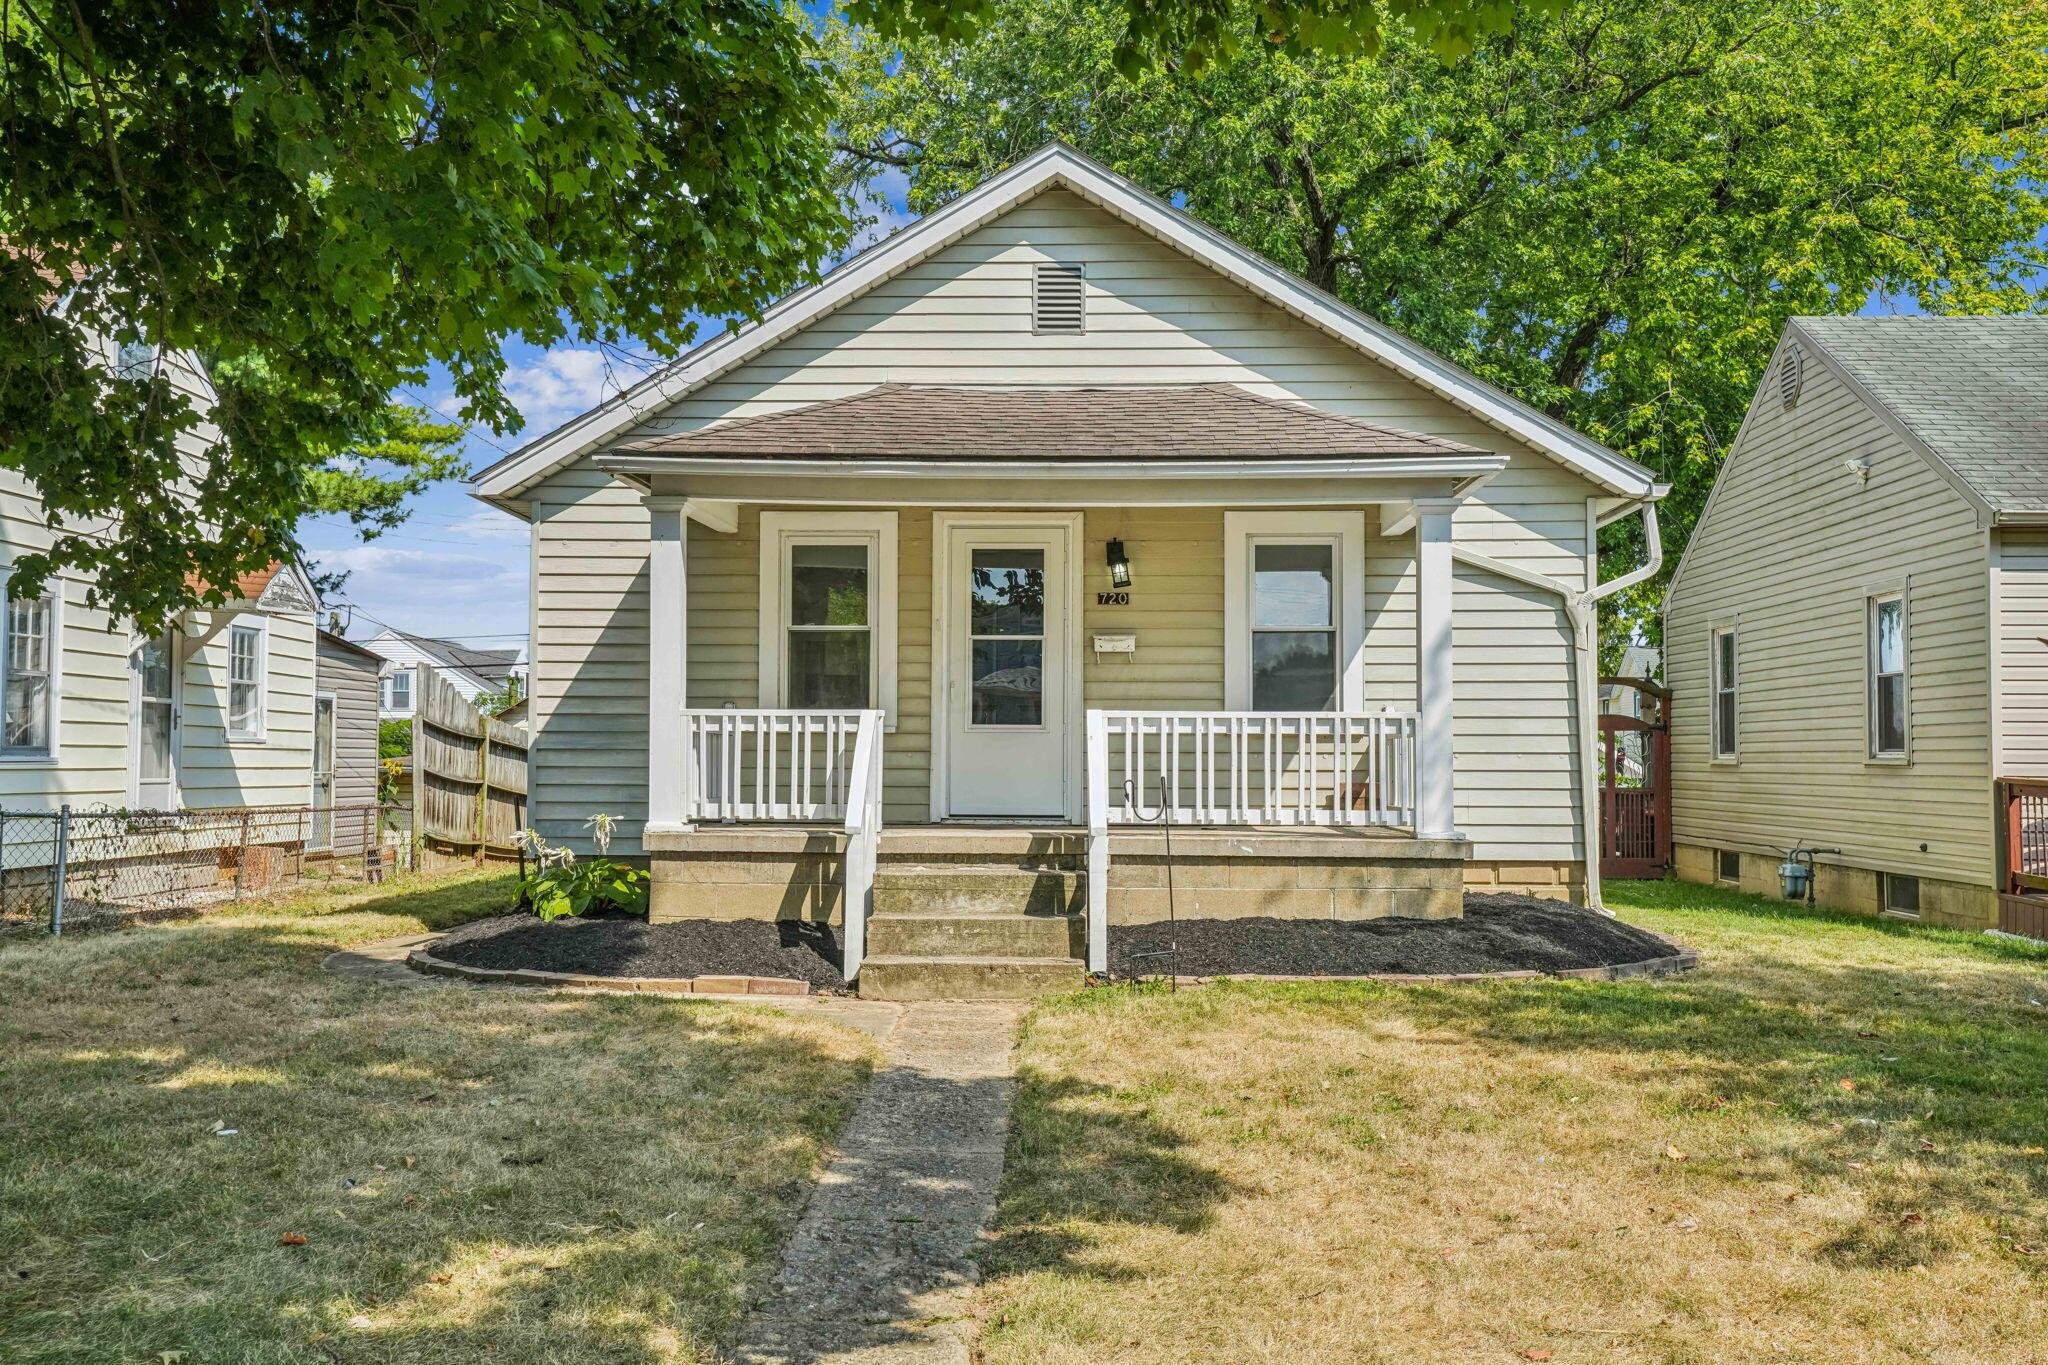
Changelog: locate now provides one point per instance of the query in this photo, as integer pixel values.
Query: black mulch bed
(608, 946)
(1499, 933)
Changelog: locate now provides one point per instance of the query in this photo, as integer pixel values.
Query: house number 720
(1112, 599)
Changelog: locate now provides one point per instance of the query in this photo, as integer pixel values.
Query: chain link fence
(71, 868)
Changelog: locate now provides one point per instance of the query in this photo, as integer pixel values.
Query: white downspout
(1578, 610)
(1586, 624)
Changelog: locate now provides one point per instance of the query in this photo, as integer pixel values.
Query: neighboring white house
(215, 711)
(1858, 632)
(1055, 489)
(472, 672)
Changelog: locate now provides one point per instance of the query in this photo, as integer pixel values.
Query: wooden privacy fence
(468, 773)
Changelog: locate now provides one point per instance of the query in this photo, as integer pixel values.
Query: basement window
(1059, 300)
(1727, 865)
(1901, 894)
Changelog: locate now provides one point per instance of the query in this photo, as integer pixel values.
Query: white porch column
(1435, 790)
(668, 543)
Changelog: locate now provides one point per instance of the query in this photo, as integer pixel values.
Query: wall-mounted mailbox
(1116, 644)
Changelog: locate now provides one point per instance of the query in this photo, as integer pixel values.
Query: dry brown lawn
(476, 1175)
(1826, 1146)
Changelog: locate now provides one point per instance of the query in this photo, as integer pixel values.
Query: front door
(1007, 690)
(153, 725)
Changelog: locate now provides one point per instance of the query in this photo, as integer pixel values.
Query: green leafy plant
(562, 884)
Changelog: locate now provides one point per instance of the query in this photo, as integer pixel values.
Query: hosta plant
(561, 884)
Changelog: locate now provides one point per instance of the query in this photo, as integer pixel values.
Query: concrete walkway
(879, 1269)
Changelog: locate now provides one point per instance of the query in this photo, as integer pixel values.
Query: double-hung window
(828, 610)
(1293, 607)
(1887, 653)
(1294, 625)
(1723, 669)
(28, 658)
(398, 690)
(246, 665)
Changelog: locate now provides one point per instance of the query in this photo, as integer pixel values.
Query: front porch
(992, 669)
(1210, 815)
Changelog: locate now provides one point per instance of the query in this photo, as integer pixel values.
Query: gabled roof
(1059, 166)
(1971, 393)
(930, 422)
(488, 668)
(281, 585)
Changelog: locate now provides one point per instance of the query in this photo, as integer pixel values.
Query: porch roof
(939, 424)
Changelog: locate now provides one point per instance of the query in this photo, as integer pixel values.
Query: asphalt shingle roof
(1974, 390)
(930, 422)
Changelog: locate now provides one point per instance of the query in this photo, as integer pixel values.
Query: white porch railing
(823, 766)
(1240, 768)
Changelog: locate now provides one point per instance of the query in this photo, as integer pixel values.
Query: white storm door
(1007, 718)
(321, 833)
(153, 727)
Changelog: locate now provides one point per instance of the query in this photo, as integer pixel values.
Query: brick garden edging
(420, 960)
(1685, 960)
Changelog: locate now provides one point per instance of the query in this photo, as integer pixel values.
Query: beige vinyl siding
(1788, 551)
(276, 770)
(2021, 616)
(962, 316)
(90, 765)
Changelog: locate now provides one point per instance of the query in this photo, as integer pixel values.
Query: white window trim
(1714, 634)
(876, 530)
(1345, 530)
(261, 734)
(1872, 595)
(27, 758)
(385, 689)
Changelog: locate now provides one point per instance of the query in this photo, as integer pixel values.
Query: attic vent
(1791, 375)
(1059, 300)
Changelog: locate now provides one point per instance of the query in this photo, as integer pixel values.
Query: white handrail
(1240, 768)
(863, 826)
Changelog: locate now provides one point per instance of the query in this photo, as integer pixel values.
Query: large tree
(1610, 212)
(319, 202)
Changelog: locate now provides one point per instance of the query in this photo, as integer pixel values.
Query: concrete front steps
(960, 931)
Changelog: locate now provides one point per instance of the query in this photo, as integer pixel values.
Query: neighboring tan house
(472, 672)
(882, 600)
(215, 711)
(345, 763)
(1858, 633)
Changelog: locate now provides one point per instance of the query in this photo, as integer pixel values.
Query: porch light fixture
(1119, 565)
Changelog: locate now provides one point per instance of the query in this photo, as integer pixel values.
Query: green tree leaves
(306, 207)
(1610, 211)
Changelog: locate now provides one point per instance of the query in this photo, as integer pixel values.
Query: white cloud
(432, 592)
(557, 385)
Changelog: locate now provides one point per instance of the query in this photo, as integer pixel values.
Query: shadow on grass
(1941, 1097)
(1082, 1154)
(477, 1175)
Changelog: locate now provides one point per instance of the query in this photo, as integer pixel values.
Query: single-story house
(1858, 632)
(472, 672)
(922, 602)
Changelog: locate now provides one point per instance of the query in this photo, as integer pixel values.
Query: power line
(469, 427)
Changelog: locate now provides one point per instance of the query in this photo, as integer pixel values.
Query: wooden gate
(1635, 779)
